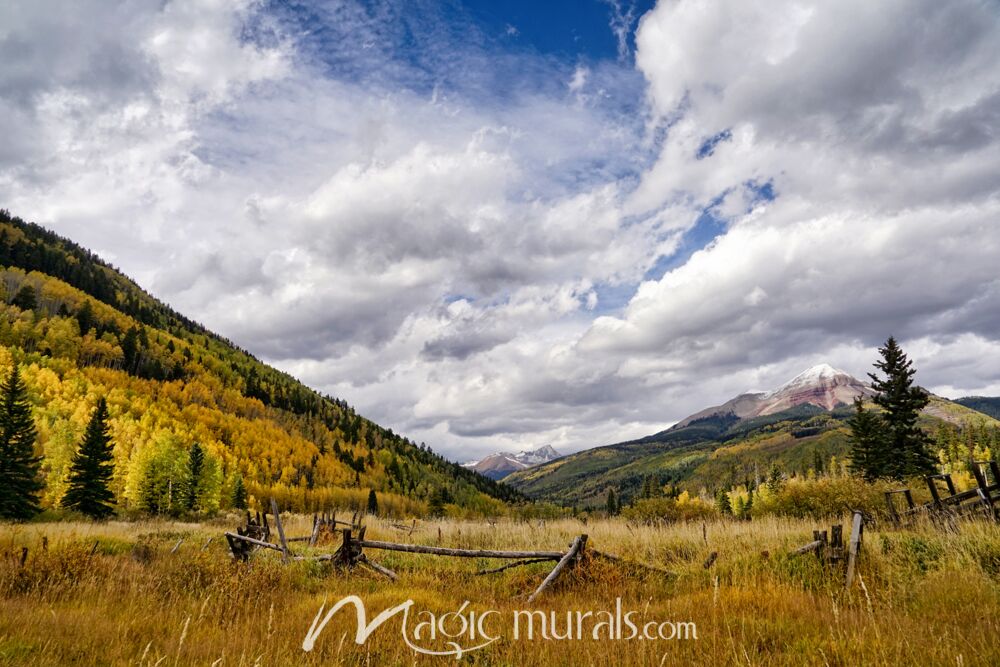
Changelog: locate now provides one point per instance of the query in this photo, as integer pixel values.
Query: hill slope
(988, 405)
(729, 444)
(80, 329)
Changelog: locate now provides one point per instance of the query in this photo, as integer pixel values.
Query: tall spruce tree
(19, 467)
(196, 464)
(91, 469)
(612, 506)
(906, 447)
(868, 443)
(239, 493)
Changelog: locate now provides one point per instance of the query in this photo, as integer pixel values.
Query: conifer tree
(19, 467)
(372, 502)
(723, 504)
(196, 463)
(25, 298)
(908, 451)
(91, 469)
(239, 494)
(868, 442)
(612, 506)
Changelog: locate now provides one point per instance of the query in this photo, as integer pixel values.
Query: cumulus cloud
(485, 248)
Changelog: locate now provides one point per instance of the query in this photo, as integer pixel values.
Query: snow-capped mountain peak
(822, 385)
(500, 464)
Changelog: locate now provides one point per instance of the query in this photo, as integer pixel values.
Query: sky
(501, 225)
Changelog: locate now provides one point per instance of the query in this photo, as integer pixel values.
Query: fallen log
(508, 566)
(812, 546)
(618, 559)
(574, 552)
(378, 568)
(461, 553)
(259, 543)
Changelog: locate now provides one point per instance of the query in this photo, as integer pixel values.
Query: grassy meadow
(923, 596)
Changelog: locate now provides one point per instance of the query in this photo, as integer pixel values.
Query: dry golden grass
(923, 596)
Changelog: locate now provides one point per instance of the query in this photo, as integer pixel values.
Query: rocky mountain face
(822, 386)
(500, 464)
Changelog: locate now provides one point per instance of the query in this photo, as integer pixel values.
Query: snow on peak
(811, 376)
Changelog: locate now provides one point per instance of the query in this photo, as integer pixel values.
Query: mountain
(794, 426)
(79, 329)
(500, 464)
(985, 404)
(822, 386)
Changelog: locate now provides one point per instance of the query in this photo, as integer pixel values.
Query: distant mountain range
(793, 425)
(500, 464)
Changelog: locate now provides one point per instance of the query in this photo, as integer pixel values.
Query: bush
(681, 508)
(822, 497)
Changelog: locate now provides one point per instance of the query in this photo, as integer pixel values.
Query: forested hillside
(727, 454)
(80, 331)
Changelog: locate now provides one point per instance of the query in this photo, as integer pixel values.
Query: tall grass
(923, 596)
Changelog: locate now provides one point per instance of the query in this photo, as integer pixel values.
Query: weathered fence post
(857, 528)
(281, 531)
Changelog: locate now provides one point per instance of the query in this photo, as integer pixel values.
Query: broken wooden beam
(461, 553)
(259, 543)
(618, 559)
(812, 546)
(378, 568)
(508, 566)
(579, 543)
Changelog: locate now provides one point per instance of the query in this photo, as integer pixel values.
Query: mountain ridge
(820, 385)
(71, 320)
(500, 464)
(789, 426)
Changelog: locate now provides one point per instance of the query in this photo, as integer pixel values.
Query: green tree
(25, 298)
(868, 442)
(91, 469)
(908, 446)
(775, 478)
(239, 493)
(19, 467)
(85, 317)
(818, 464)
(439, 498)
(372, 502)
(612, 505)
(196, 465)
(723, 504)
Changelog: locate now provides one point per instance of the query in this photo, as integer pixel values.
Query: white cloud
(451, 259)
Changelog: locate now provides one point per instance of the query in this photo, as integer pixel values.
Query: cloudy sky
(493, 225)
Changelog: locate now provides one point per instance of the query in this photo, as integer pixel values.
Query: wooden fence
(947, 503)
(351, 552)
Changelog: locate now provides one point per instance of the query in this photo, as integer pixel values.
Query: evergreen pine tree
(372, 502)
(908, 446)
(85, 318)
(19, 467)
(91, 469)
(722, 503)
(25, 298)
(612, 506)
(239, 494)
(196, 463)
(868, 445)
